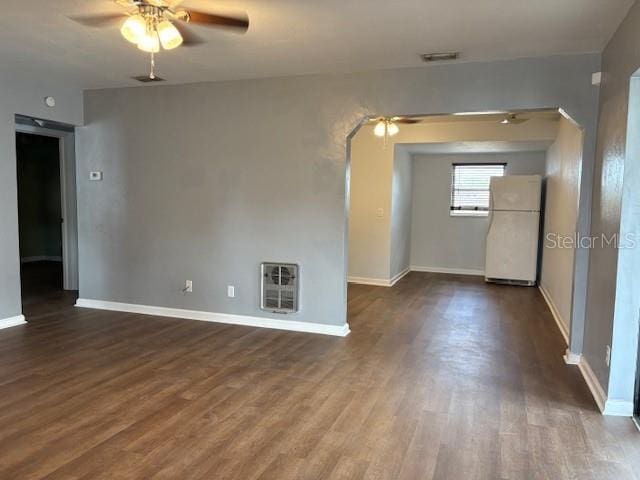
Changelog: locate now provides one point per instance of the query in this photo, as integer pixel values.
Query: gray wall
(613, 198)
(23, 97)
(440, 241)
(205, 181)
(564, 159)
(401, 200)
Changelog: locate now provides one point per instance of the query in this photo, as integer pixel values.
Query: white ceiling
(292, 37)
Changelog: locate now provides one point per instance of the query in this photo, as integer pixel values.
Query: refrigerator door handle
(490, 209)
(490, 221)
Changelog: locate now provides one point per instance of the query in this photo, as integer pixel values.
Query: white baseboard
(597, 391)
(618, 408)
(41, 258)
(376, 282)
(400, 276)
(262, 322)
(609, 407)
(379, 282)
(450, 271)
(562, 326)
(12, 321)
(382, 282)
(571, 358)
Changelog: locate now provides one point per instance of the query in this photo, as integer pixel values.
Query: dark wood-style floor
(42, 290)
(441, 378)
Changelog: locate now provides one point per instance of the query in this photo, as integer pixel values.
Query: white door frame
(69, 225)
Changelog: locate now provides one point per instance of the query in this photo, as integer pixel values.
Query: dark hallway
(40, 220)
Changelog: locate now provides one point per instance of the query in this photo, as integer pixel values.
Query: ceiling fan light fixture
(134, 28)
(392, 129)
(380, 129)
(169, 35)
(149, 42)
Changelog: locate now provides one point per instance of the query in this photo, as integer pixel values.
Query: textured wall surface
(22, 97)
(440, 241)
(564, 160)
(401, 204)
(615, 172)
(189, 195)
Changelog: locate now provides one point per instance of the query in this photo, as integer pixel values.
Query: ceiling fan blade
(405, 120)
(189, 39)
(238, 23)
(97, 21)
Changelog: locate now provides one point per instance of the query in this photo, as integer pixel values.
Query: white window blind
(470, 188)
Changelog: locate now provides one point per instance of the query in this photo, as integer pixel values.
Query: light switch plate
(95, 176)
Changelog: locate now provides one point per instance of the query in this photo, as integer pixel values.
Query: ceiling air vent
(279, 287)
(440, 57)
(147, 79)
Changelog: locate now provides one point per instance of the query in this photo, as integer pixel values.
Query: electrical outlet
(231, 291)
(188, 286)
(607, 357)
(380, 213)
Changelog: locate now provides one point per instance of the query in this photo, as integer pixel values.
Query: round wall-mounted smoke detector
(50, 102)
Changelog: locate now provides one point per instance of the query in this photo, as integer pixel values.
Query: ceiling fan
(388, 126)
(156, 24)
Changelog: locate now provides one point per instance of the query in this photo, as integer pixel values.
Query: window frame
(476, 211)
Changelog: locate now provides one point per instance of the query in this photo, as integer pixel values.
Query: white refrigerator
(514, 226)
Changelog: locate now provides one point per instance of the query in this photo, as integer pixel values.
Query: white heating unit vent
(279, 287)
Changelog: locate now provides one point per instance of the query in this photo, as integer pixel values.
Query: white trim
(400, 276)
(382, 282)
(618, 408)
(379, 282)
(263, 322)
(450, 271)
(562, 326)
(571, 358)
(12, 321)
(41, 258)
(594, 385)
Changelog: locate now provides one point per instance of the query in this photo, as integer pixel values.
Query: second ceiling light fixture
(386, 127)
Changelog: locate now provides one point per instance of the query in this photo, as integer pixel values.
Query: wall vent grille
(280, 283)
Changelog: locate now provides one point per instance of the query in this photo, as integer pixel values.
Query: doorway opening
(418, 207)
(47, 225)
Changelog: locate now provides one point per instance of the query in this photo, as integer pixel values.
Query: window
(470, 188)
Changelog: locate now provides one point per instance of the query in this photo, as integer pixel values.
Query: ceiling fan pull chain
(152, 75)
